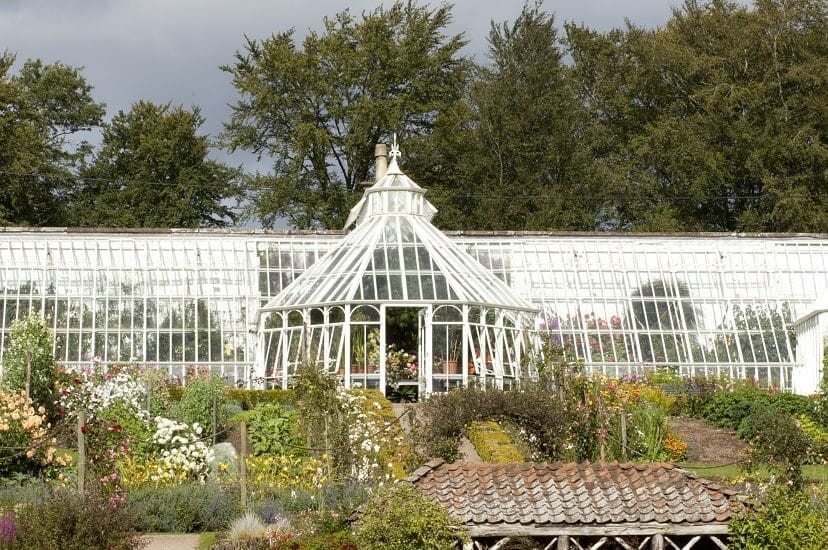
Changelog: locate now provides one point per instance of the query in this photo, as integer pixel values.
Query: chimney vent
(380, 161)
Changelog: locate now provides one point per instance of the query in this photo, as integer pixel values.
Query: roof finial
(395, 148)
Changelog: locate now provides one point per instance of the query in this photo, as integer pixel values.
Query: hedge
(492, 443)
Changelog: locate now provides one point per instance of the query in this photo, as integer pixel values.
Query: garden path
(164, 541)
(708, 444)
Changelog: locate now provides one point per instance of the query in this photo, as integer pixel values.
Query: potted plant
(453, 359)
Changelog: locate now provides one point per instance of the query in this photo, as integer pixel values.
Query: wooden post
(623, 433)
(243, 465)
(214, 420)
(81, 452)
(563, 542)
(28, 374)
(657, 542)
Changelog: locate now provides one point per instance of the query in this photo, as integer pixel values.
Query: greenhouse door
(404, 346)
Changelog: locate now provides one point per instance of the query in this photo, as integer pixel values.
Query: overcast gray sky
(171, 50)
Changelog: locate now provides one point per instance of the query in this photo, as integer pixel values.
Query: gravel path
(708, 444)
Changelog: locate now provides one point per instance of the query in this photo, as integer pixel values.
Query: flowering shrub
(399, 365)
(25, 437)
(93, 393)
(349, 427)
(371, 442)
(267, 474)
(30, 344)
(179, 456)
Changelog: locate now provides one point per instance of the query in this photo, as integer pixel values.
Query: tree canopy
(714, 121)
(43, 109)
(152, 170)
(318, 108)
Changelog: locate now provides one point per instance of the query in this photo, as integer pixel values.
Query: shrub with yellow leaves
(27, 446)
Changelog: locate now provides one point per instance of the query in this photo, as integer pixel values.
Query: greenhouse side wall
(184, 300)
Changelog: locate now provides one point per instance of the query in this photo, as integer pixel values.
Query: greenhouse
(395, 294)
(341, 313)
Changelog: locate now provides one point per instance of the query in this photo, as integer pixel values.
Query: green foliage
(391, 69)
(727, 409)
(273, 429)
(62, 519)
(204, 398)
(43, 111)
(762, 334)
(786, 519)
(777, 442)
(121, 417)
(492, 443)
(401, 518)
(341, 540)
(750, 159)
(551, 422)
(817, 439)
(155, 143)
(250, 399)
(186, 508)
(30, 343)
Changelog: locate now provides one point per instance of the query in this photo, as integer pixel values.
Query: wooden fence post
(623, 433)
(81, 452)
(243, 465)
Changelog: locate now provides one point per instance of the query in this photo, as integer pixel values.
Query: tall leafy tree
(318, 108)
(43, 110)
(528, 128)
(153, 170)
(717, 121)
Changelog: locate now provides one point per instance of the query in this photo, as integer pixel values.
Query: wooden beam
(499, 544)
(718, 542)
(657, 542)
(563, 542)
(622, 543)
(691, 543)
(606, 529)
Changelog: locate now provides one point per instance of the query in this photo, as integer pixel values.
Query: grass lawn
(817, 473)
(206, 540)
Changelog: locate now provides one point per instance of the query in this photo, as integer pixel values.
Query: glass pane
(413, 286)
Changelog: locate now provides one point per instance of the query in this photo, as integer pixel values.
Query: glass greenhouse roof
(395, 254)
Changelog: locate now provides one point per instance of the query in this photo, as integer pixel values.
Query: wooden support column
(657, 542)
(563, 542)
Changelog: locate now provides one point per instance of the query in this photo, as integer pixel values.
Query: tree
(525, 164)
(153, 170)
(318, 109)
(715, 121)
(42, 110)
(663, 312)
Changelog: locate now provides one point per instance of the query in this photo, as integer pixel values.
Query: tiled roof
(554, 494)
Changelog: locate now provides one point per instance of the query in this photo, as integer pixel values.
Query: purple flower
(8, 530)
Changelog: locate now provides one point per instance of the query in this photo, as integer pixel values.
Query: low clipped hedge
(492, 443)
(249, 399)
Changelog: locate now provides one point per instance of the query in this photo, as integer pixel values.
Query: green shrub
(341, 540)
(492, 443)
(62, 519)
(817, 440)
(778, 442)
(400, 518)
(186, 508)
(30, 343)
(728, 409)
(250, 399)
(273, 429)
(787, 519)
(552, 420)
(200, 396)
